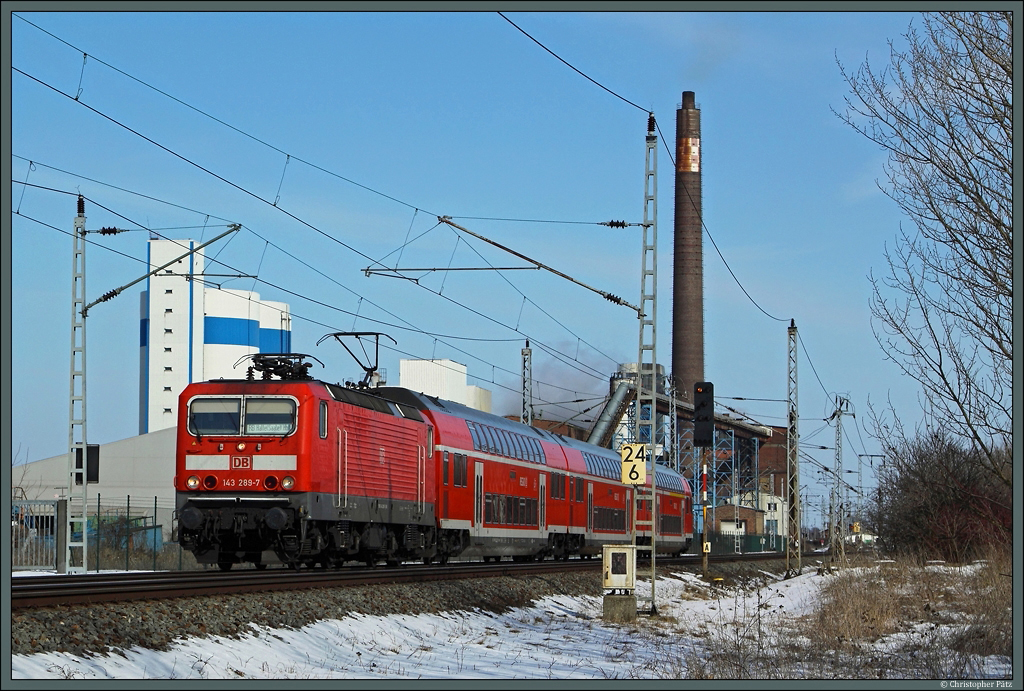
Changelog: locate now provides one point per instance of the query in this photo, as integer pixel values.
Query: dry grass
(896, 620)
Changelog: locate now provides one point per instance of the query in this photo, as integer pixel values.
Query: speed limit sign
(634, 464)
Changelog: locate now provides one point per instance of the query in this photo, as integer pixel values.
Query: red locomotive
(298, 471)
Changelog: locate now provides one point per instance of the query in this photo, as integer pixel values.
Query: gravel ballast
(155, 624)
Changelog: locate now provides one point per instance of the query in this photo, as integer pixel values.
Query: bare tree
(943, 313)
(939, 500)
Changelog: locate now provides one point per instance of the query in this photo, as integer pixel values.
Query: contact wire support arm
(607, 296)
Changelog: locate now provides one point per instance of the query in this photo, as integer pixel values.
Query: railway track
(44, 591)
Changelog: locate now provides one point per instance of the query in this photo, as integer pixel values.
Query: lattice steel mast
(646, 352)
(77, 494)
(793, 542)
(526, 417)
(837, 511)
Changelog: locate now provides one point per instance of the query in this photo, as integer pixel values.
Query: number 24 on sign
(634, 464)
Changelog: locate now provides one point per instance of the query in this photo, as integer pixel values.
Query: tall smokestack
(688, 272)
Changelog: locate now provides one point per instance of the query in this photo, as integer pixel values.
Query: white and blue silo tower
(191, 331)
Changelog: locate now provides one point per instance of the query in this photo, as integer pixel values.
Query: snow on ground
(559, 637)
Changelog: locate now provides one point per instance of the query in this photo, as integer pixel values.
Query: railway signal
(704, 414)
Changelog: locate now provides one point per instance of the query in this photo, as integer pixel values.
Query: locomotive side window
(323, 419)
(269, 416)
(444, 467)
(214, 416)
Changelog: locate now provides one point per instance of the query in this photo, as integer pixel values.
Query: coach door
(541, 522)
(590, 507)
(478, 496)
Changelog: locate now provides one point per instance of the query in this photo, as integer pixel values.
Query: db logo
(241, 462)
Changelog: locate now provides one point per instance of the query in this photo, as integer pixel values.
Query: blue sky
(456, 114)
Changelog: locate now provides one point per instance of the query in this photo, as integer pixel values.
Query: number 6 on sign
(634, 464)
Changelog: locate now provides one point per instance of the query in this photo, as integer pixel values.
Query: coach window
(444, 467)
(460, 470)
(517, 443)
(323, 419)
(214, 416)
(274, 416)
(492, 439)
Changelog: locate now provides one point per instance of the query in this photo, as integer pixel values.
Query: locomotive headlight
(241, 446)
(192, 482)
(288, 482)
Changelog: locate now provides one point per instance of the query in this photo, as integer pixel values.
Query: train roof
(402, 402)
(600, 460)
(424, 401)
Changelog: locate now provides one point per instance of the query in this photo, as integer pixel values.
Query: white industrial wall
(444, 379)
(275, 327)
(441, 378)
(478, 398)
(231, 332)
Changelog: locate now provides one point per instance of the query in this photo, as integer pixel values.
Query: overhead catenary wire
(317, 322)
(570, 66)
(290, 156)
(341, 177)
(218, 120)
(319, 302)
(255, 196)
(252, 194)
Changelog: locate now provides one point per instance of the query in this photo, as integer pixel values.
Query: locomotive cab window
(274, 416)
(214, 416)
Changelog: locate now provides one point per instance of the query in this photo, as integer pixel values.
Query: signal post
(704, 437)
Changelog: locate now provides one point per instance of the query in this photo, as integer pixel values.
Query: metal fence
(726, 543)
(34, 535)
(125, 533)
(138, 534)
